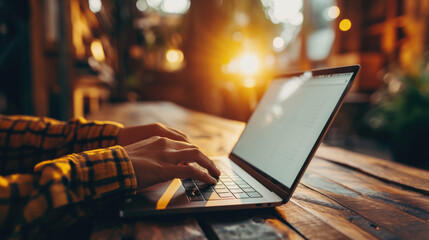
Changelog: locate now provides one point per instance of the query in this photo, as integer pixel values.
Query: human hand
(130, 135)
(159, 159)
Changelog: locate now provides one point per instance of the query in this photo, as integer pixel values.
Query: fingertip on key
(213, 180)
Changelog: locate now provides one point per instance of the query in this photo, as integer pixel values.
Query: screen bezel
(283, 191)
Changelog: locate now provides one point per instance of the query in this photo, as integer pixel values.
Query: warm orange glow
(174, 56)
(249, 64)
(333, 12)
(168, 194)
(80, 29)
(175, 60)
(97, 50)
(237, 37)
(249, 82)
(345, 25)
(278, 43)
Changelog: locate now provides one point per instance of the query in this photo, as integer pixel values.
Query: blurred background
(66, 59)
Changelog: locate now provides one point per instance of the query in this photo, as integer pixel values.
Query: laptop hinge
(269, 182)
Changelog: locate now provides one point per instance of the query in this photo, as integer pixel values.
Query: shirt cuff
(117, 173)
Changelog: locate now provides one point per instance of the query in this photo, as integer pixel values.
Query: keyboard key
(188, 180)
(236, 190)
(231, 185)
(245, 185)
(188, 185)
(241, 195)
(193, 193)
(228, 186)
(247, 189)
(240, 182)
(236, 177)
(209, 196)
(227, 180)
(195, 198)
(207, 189)
(226, 195)
(219, 186)
(198, 182)
(254, 195)
(222, 190)
(204, 186)
(191, 188)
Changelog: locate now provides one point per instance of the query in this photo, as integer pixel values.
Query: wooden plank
(384, 216)
(336, 201)
(413, 203)
(390, 171)
(255, 224)
(151, 228)
(308, 224)
(337, 216)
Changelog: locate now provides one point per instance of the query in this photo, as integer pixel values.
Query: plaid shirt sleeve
(31, 185)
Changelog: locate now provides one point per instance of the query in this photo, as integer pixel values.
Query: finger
(170, 133)
(180, 133)
(168, 143)
(175, 136)
(190, 155)
(187, 171)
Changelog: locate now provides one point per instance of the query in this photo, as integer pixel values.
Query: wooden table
(343, 195)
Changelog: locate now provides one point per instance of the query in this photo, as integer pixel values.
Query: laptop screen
(286, 124)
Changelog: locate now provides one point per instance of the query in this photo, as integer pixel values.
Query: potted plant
(400, 115)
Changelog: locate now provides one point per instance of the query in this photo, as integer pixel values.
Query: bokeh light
(333, 12)
(288, 14)
(175, 60)
(154, 3)
(141, 5)
(174, 56)
(345, 25)
(249, 64)
(237, 36)
(278, 43)
(175, 6)
(97, 50)
(249, 82)
(285, 11)
(270, 60)
(95, 5)
(241, 18)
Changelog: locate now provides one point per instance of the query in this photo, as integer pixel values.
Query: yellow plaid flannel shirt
(47, 164)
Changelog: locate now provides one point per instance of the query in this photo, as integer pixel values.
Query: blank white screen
(287, 122)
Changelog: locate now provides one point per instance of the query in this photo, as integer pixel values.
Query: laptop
(271, 155)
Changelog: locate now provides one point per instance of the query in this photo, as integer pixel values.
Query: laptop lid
(288, 125)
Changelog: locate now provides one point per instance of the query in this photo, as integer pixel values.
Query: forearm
(76, 178)
(26, 141)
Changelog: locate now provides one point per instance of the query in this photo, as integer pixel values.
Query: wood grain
(307, 224)
(253, 224)
(384, 216)
(337, 216)
(390, 171)
(413, 203)
(343, 195)
(165, 227)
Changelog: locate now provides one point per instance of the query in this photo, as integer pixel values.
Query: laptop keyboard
(229, 186)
